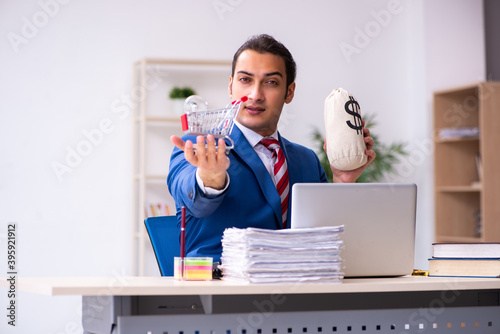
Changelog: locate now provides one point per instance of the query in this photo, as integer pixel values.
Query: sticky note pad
(195, 268)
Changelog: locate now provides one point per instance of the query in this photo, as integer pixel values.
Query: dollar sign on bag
(354, 111)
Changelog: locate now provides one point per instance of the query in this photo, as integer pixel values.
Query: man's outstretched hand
(212, 162)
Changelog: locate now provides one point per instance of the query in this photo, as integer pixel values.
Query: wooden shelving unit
(467, 189)
(153, 122)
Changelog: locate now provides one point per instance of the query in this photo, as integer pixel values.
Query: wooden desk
(161, 305)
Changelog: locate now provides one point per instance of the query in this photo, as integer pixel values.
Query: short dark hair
(267, 44)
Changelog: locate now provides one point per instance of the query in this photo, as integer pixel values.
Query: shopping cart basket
(216, 122)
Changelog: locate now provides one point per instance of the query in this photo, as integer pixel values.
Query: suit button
(190, 194)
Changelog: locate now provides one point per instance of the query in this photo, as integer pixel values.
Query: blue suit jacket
(251, 199)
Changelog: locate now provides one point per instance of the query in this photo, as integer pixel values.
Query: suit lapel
(246, 153)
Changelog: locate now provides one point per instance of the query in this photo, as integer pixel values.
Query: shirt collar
(253, 137)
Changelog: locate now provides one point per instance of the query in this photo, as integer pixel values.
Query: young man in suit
(240, 189)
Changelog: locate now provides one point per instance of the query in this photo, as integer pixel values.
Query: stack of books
(278, 256)
(157, 209)
(465, 260)
(463, 132)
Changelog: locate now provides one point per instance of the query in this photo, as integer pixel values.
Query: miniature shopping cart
(216, 122)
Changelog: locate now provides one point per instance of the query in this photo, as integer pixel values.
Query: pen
(183, 238)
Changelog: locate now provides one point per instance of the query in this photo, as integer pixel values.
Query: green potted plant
(387, 155)
(178, 95)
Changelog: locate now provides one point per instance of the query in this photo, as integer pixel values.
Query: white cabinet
(153, 122)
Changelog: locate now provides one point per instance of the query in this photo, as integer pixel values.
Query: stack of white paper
(276, 256)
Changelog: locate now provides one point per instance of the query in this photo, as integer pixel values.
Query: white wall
(66, 63)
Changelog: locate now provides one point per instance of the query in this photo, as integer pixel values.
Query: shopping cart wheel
(230, 146)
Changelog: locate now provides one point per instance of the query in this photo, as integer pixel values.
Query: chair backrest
(164, 236)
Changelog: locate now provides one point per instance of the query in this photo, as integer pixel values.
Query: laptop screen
(378, 218)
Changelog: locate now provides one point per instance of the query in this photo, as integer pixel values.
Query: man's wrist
(207, 189)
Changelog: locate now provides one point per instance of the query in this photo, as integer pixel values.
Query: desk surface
(144, 286)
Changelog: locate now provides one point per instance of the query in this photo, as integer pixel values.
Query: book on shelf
(464, 267)
(157, 209)
(479, 168)
(461, 132)
(479, 172)
(466, 250)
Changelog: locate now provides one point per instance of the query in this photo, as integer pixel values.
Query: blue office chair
(164, 236)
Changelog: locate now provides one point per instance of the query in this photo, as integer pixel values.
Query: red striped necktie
(280, 174)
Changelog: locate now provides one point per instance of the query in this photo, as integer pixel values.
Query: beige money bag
(345, 145)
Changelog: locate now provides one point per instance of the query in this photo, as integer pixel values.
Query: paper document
(276, 256)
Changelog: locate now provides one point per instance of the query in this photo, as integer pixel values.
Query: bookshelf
(153, 122)
(466, 163)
